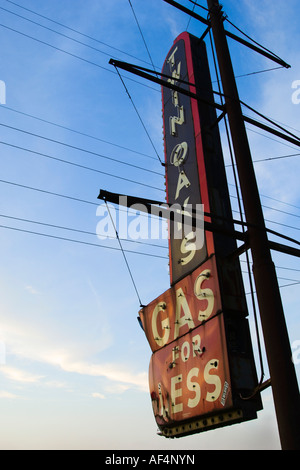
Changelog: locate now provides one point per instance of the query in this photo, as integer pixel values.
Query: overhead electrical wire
(280, 267)
(57, 32)
(280, 287)
(98, 245)
(72, 163)
(75, 199)
(275, 209)
(93, 63)
(79, 165)
(281, 202)
(146, 73)
(76, 131)
(139, 153)
(74, 147)
(46, 235)
(71, 54)
(281, 278)
(87, 45)
(56, 48)
(96, 64)
(272, 138)
(55, 194)
(84, 232)
(70, 29)
(100, 171)
(49, 193)
(280, 157)
(276, 158)
(123, 178)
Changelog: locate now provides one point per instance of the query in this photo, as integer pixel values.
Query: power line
(274, 209)
(280, 277)
(69, 28)
(277, 158)
(47, 235)
(279, 267)
(51, 193)
(288, 269)
(281, 202)
(77, 132)
(56, 48)
(140, 153)
(56, 32)
(77, 148)
(123, 178)
(281, 287)
(72, 163)
(271, 138)
(280, 157)
(272, 198)
(274, 222)
(84, 232)
(71, 54)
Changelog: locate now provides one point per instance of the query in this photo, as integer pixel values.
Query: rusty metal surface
(183, 307)
(190, 377)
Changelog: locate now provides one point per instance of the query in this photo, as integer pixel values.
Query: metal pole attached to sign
(282, 371)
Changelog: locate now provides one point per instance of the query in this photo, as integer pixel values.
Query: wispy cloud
(31, 344)
(113, 372)
(31, 290)
(18, 375)
(98, 395)
(8, 395)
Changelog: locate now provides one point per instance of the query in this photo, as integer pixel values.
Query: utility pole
(282, 371)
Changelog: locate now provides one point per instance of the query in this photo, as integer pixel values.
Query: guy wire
(121, 247)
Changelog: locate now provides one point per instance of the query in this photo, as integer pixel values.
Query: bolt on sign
(202, 372)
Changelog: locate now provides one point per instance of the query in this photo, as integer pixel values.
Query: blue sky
(74, 363)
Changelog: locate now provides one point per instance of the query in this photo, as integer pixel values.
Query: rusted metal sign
(183, 307)
(202, 370)
(181, 132)
(202, 361)
(190, 378)
(195, 171)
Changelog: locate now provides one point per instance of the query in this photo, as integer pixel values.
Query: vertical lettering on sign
(188, 250)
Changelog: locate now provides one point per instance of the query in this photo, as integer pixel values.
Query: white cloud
(98, 395)
(7, 395)
(113, 372)
(31, 343)
(19, 375)
(31, 290)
